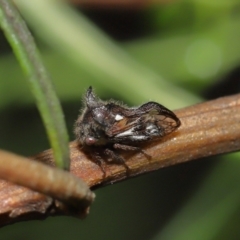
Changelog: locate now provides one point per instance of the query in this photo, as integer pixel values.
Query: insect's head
(90, 125)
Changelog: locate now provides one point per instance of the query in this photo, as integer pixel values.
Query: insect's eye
(100, 114)
(90, 140)
(81, 132)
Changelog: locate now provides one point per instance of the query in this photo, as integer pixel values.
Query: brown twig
(207, 129)
(73, 193)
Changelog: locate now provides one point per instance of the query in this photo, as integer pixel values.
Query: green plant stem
(39, 81)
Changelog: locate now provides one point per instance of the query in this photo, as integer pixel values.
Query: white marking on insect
(152, 129)
(151, 126)
(118, 117)
(129, 132)
(138, 137)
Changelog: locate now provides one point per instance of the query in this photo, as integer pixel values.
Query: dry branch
(207, 129)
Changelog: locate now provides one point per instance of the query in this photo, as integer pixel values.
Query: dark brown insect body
(106, 126)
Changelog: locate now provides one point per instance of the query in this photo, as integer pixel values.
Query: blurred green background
(178, 54)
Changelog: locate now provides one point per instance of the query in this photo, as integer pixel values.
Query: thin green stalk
(39, 81)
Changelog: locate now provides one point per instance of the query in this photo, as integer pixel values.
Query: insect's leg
(131, 148)
(117, 158)
(98, 160)
(126, 147)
